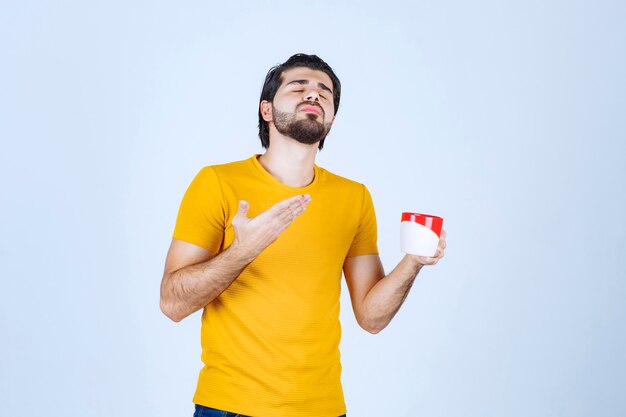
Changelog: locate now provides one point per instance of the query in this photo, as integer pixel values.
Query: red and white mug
(419, 233)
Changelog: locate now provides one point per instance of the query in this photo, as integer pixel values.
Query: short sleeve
(366, 237)
(200, 218)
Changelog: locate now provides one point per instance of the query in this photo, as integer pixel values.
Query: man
(260, 245)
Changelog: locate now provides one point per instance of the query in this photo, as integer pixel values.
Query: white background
(506, 118)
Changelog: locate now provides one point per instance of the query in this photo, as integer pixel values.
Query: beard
(307, 130)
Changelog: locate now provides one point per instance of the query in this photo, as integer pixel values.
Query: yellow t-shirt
(270, 341)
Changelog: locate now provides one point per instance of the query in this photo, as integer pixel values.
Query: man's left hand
(427, 260)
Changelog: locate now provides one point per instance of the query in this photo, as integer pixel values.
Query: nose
(312, 95)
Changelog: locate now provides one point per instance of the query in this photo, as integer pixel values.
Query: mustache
(310, 103)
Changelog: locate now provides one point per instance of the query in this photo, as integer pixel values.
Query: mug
(419, 233)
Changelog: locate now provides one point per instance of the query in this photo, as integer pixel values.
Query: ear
(266, 110)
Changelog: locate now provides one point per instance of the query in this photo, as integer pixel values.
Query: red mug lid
(434, 223)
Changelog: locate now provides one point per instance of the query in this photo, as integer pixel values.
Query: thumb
(242, 211)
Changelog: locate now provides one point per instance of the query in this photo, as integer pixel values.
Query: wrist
(414, 261)
(240, 253)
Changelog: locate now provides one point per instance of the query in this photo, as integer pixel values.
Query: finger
(289, 209)
(300, 205)
(431, 260)
(297, 209)
(289, 214)
(282, 205)
(242, 210)
(425, 260)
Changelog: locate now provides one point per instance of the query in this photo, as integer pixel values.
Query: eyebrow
(305, 82)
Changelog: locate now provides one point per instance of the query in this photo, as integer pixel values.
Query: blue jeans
(202, 411)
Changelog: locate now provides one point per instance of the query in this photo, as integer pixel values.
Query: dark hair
(274, 79)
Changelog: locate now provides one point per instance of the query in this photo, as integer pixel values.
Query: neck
(289, 161)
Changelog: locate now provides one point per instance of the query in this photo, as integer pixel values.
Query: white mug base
(416, 239)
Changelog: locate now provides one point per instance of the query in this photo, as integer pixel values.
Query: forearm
(384, 299)
(191, 288)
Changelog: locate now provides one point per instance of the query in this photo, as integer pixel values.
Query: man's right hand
(254, 234)
(193, 276)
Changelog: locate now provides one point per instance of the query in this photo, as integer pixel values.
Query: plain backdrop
(506, 118)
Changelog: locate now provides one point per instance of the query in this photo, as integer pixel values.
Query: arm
(194, 277)
(376, 298)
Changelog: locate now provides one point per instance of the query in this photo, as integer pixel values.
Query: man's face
(303, 107)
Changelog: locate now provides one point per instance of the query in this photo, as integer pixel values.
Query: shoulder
(333, 180)
(225, 170)
(229, 167)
